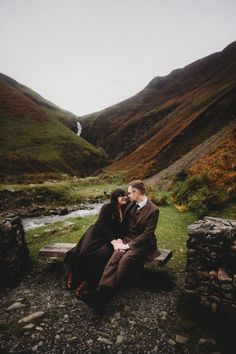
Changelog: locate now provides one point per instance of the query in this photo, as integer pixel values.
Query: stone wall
(211, 263)
(14, 253)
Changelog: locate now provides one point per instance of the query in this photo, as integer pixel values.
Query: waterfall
(79, 127)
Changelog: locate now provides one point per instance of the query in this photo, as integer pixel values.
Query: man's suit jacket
(144, 238)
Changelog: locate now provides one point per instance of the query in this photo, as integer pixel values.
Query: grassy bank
(171, 231)
(39, 197)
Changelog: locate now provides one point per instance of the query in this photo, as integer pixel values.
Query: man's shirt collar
(142, 204)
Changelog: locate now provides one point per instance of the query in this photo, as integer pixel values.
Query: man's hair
(138, 184)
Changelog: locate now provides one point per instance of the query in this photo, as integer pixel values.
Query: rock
(171, 342)
(214, 307)
(209, 263)
(119, 339)
(103, 334)
(104, 340)
(57, 336)
(39, 328)
(223, 276)
(234, 280)
(15, 306)
(213, 274)
(90, 342)
(190, 292)
(63, 211)
(14, 258)
(35, 348)
(31, 317)
(155, 349)
(181, 339)
(233, 249)
(207, 343)
(40, 343)
(68, 225)
(29, 326)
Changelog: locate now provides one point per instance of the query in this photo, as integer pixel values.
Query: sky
(86, 55)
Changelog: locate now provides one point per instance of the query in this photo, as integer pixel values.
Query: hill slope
(37, 136)
(170, 117)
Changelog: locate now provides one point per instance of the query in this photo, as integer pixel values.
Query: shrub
(199, 193)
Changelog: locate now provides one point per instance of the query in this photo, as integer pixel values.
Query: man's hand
(119, 245)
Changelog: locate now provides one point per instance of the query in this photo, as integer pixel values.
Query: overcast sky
(85, 55)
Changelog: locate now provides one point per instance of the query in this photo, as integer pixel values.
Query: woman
(86, 261)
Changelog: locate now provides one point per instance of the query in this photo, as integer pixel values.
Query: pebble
(155, 349)
(119, 339)
(39, 328)
(104, 340)
(103, 334)
(181, 339)
(15, 306)
(171, 342)
(208, 342)
(90, 342)
(31, 317)
(132, 322)
(29, 326)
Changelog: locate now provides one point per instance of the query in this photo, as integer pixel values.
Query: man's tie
(136, 207)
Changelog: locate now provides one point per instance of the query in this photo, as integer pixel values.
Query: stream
(38, 221)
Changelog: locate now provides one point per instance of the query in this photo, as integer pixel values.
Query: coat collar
(144, 210)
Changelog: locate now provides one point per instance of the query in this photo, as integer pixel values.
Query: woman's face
(122, 199)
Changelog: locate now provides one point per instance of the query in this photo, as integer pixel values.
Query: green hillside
(37, 136)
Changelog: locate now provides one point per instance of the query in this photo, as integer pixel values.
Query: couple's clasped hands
(118, 245)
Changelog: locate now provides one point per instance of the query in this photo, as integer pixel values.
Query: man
(138, 246)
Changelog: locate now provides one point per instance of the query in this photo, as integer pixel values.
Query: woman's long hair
(114, 201)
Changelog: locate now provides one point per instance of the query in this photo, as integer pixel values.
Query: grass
(172, 234)
(171, 231)
(55, 193)
(57, 232)
(39, 138)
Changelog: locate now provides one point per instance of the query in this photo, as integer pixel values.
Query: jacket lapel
(128, 207)
(143, 211)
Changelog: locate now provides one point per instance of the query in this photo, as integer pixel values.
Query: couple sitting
(122, 237)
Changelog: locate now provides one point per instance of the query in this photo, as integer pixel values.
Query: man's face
(133, 194)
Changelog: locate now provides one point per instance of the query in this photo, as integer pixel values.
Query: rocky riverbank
(138, 320)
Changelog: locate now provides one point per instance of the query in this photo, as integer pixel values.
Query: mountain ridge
(144, 133)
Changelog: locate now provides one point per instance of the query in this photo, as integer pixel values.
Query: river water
(38, 221)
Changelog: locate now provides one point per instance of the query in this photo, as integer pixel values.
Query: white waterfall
(79, 127)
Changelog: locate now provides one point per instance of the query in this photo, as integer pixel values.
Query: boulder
(14, 252)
